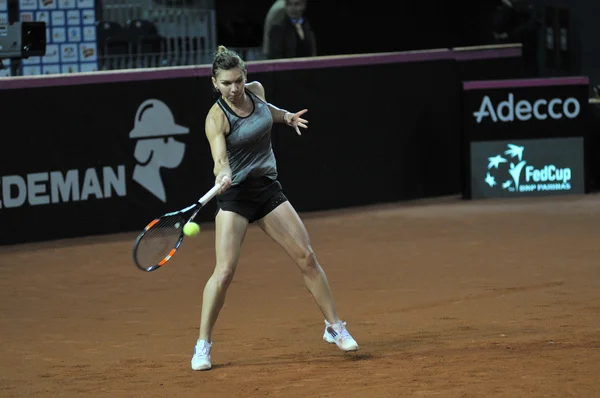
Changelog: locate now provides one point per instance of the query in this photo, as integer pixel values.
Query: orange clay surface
(446, 298)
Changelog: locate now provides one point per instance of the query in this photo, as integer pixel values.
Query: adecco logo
(524, 110)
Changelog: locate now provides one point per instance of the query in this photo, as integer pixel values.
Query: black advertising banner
(102, 153)
(497, 115)
(101, 158)
(520, 168)
(525, 108)
(410, 151)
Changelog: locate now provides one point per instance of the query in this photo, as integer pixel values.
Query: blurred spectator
(514, 21)
(275, 13)
(290, 34)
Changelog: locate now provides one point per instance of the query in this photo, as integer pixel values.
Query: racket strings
(160, 241)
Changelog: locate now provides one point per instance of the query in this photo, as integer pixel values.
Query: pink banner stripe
(516, 83)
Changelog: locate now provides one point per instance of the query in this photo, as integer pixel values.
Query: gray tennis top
(249, 141)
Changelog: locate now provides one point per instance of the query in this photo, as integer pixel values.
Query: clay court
(446, 298)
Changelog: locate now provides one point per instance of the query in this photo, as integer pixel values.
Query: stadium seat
(112, 39)
(145, 38)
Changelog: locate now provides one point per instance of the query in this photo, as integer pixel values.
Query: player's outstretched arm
(279, 115)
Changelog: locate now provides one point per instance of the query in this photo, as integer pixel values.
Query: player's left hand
(294, 120)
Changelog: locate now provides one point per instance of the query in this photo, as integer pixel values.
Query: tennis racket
(162, 237)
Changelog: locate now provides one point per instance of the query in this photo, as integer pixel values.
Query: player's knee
(223, 275)
(307, 260)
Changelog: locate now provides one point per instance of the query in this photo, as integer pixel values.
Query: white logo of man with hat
(154, 128)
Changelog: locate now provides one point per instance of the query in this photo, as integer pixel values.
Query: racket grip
(210, 194)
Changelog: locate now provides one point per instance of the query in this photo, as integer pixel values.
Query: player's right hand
(225, 181)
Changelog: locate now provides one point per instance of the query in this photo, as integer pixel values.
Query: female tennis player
(238, 128)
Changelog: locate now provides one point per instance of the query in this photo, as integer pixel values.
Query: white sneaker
(201, 358)
(337, 333)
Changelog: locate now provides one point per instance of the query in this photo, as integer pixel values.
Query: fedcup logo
(154, 128)
(509, 171)
(523, 110)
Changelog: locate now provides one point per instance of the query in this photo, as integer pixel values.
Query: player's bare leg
(286, 228)
(229, 235)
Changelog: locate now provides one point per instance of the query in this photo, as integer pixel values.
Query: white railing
(121, 11)
(188, 29)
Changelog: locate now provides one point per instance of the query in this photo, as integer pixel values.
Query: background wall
(354, 26)
(582, 38)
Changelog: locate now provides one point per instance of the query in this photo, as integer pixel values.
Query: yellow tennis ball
(191, 229)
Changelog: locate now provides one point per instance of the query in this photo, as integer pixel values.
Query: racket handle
(209, 195)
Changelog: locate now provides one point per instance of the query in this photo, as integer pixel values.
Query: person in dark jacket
(290, 34)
